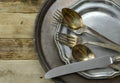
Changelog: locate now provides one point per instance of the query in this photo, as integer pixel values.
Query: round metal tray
(45, 46)
(100, 17)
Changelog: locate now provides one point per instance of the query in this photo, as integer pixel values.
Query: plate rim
(37, 36)
(84, 75)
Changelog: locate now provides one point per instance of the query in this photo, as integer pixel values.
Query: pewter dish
(45, 46)
(102, 16)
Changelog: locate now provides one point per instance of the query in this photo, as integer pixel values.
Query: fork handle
(104, 45)
(116, 67)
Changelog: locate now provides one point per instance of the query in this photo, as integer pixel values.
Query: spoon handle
(114, 66)
(99, 36)
(109, 46)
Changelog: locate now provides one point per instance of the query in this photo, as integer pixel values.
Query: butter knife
(100, 62)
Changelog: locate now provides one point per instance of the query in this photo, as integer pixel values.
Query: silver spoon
(74, 22)
(83, 53)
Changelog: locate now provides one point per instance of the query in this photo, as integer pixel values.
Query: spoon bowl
(74, 22)
(72, 19)
(82, 53)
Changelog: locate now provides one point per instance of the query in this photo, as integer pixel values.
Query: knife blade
(100, 62)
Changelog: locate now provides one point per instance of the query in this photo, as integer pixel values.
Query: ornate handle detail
(117, 58)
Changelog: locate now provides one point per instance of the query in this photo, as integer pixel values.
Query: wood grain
(24, 6)
(17, 18)
(16, 31)
(17, 49)
(22, 71)
(18, 58)
(17, 25)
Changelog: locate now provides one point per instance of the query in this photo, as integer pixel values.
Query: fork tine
(58, 16)
(66, 39)
(66, 36)
(65, 42)
(58, 19)
(59, 13)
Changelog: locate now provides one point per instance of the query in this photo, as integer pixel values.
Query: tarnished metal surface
(45, 45)
(99, 17)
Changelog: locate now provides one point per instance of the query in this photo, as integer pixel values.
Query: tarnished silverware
(75, 22)
(74, 40)
(103, 19)
(80, 52)
(101, 62)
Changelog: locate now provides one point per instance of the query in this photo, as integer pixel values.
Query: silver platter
(102, 16)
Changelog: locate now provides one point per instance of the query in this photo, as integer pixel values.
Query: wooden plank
(17, 25)
(16, 31)
(22, 71)
(17, 49)
(17, 18)
(20, 5)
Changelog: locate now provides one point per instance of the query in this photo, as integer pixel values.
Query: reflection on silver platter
(102, 16)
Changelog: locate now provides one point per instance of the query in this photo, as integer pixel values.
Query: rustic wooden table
(18, 60)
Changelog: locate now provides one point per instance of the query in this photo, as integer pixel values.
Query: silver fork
(71, 41)
(59, 19)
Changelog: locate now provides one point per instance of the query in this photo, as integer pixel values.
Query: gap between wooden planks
(17, 49)
(20, 6)
(16, 36)
(22, 71)
(18, 59)
(17, 25)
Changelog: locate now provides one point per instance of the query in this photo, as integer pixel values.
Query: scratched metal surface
(45, 45)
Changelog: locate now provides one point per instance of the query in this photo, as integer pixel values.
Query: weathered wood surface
(17, 49)
(22, 71)
(18, 59)
(16, 33)
(21, 6)
(17, 25)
